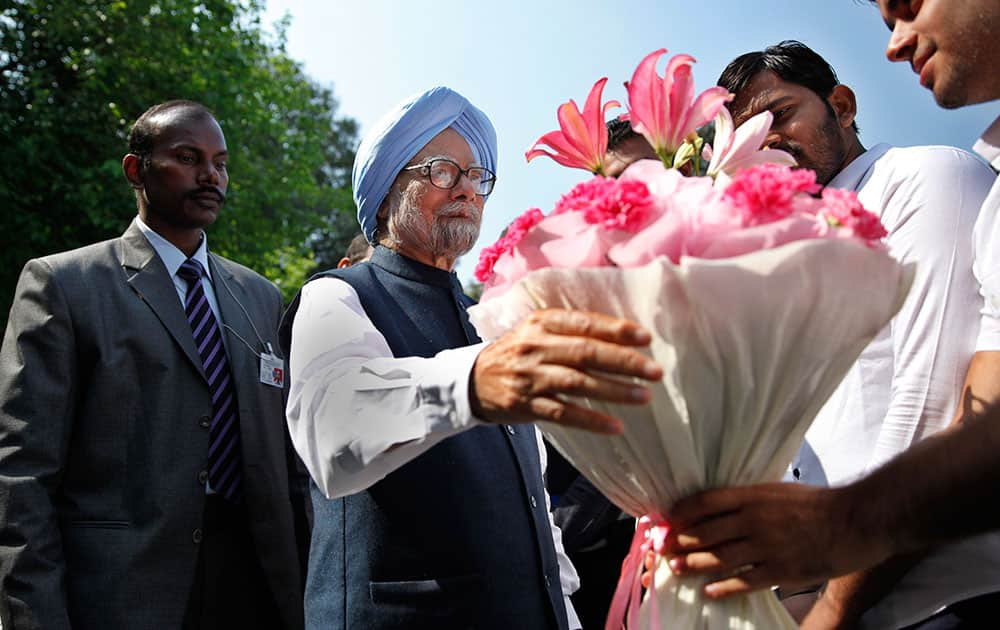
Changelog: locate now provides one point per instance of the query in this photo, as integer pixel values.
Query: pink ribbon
(650, 534)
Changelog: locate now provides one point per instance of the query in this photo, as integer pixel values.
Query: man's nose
(773, 138)
(464, 189)
(902, 42)
(209, 174)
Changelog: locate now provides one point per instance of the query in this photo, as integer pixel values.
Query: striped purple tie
(224, 474)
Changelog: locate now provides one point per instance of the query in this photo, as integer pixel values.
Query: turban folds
(402, 133)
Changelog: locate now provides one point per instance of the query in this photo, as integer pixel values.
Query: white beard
(444, 237)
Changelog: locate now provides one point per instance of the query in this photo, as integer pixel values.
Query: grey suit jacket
(103, 434)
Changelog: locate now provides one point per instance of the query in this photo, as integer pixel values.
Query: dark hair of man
(792, 61)
(618, 132)
(358, 249)
(142, 136)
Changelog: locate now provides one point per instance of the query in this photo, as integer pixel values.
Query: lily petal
(645, 99)
(582, 137)
(678, 88)
(573, 126)
(558, 142)
(740, 148)
(707, 105)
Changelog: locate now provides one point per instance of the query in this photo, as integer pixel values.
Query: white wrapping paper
(751, 348)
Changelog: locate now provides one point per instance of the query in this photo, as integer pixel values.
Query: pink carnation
(512, 236)
(613, 204)
(767, 192)
(841, 208)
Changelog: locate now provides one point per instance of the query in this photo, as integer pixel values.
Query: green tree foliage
(74, 75)
(474, 289)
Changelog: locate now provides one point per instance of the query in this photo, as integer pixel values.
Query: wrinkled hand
(521, 376)
(757, 536)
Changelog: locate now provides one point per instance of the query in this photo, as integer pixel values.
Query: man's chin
(950, 100)
(203, 219)
(201, 214)
(455, 245)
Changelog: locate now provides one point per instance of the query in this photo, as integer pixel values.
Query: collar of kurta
(855, 173)
(404, 267)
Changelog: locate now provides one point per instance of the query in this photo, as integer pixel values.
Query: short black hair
(618, 132)
(358, 249)
(142, 136)
(791, 60)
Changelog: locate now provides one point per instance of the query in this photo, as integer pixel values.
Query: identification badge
(272, 370)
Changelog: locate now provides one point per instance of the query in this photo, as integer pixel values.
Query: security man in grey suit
(145, 475)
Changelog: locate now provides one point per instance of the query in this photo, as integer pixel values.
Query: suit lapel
(230, 296)
(258, 435)
(148, 277)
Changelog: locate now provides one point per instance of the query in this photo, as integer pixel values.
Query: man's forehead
(448, 144)
(195, 130)
(765, 91)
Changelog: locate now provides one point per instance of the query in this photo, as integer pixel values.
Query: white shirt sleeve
(987, 268)
(930, 215)
(569, 580)
(355, 413)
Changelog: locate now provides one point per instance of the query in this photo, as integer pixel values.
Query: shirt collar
(854, 174)
(988, 146)
(171, 256)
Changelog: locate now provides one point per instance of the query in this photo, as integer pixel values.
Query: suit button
(196, 536)
(548, 583)
(204, 421)
(510, 429)
(202, 477)
(534, 503)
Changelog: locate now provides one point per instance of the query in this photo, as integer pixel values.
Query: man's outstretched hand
(523, 376)
(754, 537)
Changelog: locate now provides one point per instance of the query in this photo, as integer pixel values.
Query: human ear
(844, 105)
(132, 166)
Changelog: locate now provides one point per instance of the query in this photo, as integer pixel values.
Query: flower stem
(667, 157)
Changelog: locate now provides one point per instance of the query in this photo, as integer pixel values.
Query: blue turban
(402, 133)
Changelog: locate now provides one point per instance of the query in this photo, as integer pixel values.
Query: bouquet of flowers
(760, 290)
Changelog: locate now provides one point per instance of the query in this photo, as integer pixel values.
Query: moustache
(788, 147)
(209, 191)
(459, 208)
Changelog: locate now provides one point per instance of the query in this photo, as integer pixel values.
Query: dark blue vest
(458, 537)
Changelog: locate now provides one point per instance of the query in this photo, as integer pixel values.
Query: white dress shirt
(987, 245)
(356, 413)
(906, 384)
(173, 258)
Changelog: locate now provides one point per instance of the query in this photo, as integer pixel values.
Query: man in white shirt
(942, 489)
(428, 512)
(906, 384)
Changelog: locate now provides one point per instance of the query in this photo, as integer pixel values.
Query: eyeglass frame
(426, 165)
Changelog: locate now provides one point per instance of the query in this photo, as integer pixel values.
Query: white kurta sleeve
(930, 215)
(355, 413)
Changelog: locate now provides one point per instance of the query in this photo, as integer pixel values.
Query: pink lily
(582, 138)
(663, 109)
(739, 148)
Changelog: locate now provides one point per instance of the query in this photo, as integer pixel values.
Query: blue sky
(518, 60)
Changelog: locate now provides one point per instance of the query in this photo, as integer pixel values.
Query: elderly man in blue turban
(430, 510)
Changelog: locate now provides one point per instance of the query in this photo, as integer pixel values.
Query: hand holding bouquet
(760, 290)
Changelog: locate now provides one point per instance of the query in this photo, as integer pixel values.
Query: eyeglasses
(443, 173)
